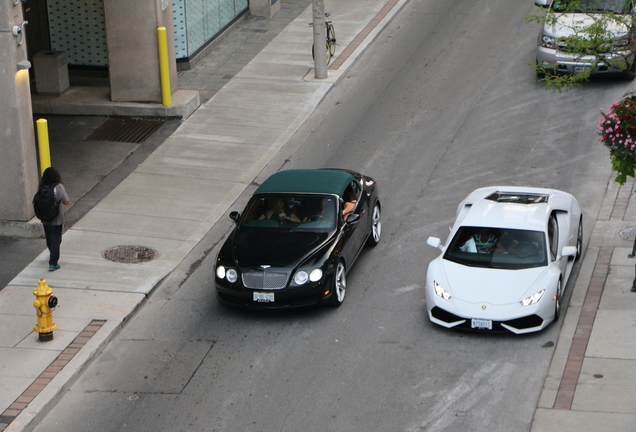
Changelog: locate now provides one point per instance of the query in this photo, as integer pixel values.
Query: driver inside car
(277, 211)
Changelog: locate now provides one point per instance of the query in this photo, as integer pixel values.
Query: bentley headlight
(220, 272)
(441, 291)
(231, 275)
(533, 299)
(315, 275)
(301, 277)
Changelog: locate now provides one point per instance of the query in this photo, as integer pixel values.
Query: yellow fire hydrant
(44, 304)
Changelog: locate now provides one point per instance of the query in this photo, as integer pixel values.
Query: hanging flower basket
(617, 131)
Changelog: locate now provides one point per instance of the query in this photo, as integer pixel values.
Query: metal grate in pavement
(130, 130)
(129, 254)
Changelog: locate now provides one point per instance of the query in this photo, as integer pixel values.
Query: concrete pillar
(133, 61)
(18, 162)
(264, 8)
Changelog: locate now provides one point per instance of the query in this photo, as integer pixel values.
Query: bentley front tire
(376, 226)
(339, 287)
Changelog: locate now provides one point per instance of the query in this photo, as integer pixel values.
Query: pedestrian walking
(53, 227)
(634, 285)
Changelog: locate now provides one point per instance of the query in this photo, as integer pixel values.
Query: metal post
(164, 70)
(320, 40)
(43, 144)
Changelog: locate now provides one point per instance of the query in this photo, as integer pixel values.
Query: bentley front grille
(265, 280)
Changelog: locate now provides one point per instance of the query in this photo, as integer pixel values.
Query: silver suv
(572, 18)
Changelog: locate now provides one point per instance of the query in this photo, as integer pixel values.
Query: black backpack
(44, 204)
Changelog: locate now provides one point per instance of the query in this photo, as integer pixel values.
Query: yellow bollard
(44, 304)
(43, 144)
(164, 70)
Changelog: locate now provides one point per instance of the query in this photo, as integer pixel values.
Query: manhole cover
(628, 233)
(129, 254)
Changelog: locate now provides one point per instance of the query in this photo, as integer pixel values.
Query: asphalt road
(441, 103)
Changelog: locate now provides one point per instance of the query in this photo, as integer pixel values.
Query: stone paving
(236, 48)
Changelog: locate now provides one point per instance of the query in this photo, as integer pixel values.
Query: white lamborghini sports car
(507, 260)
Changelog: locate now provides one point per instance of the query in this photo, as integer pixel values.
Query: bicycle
(330, 39)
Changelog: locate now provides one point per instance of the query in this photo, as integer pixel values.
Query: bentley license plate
(481, 324)
(263, 297)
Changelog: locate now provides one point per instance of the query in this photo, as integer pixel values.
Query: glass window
(497, 248)
(298, 212)
(591, 6)
(553, 236)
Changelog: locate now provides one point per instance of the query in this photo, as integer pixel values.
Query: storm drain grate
(128, 130)
(129, 254)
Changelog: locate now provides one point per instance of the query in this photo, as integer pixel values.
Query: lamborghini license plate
(481, 324)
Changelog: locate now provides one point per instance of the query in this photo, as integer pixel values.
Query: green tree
(587, 35)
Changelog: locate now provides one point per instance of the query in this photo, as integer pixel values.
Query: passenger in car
(484, 240)
(277, 212)
(506, 243)
(349, 203)
(312, 210)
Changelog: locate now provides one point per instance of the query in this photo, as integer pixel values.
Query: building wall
(18, 164)
(133, 61)
(78, 27)
(198, 21)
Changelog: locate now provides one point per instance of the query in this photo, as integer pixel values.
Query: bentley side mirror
(353, 218)
(235, 216)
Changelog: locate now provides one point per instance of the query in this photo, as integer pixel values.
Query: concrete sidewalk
(166, 206)
(592, 378)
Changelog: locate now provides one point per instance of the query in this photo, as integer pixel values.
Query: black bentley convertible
(300, 233)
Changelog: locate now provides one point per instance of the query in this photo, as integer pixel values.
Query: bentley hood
(251, 248)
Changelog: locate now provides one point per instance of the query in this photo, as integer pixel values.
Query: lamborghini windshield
(498, 248)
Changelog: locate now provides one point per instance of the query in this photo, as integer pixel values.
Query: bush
(617, 131)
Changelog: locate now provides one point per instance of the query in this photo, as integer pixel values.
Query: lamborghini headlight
(533, 299)
(441, 291)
